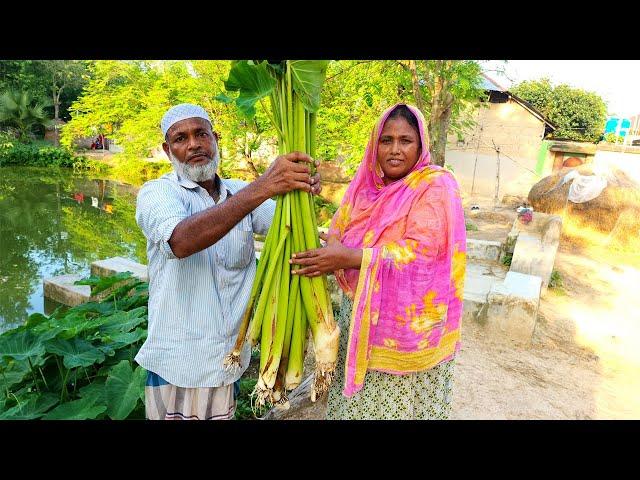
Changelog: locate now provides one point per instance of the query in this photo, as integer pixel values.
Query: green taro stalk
(282, 307)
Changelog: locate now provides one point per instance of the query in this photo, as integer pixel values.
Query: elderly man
(199, 229)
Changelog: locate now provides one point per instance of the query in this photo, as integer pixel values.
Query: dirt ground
(584, 359)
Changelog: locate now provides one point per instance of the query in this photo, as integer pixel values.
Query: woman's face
(398, 149)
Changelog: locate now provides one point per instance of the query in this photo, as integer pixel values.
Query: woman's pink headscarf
(408, 292)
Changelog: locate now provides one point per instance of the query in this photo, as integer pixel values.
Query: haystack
(616, 211)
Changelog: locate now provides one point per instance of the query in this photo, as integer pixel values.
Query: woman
(397, 247)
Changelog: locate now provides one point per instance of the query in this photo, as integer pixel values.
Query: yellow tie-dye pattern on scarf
(417, 177)
(423, 321)
(400, 255)
(367, 241)
(458, 269)
(343, 215)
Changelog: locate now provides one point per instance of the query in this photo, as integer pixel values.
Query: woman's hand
(334, 256)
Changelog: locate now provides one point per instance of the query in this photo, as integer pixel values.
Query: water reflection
(54, 222)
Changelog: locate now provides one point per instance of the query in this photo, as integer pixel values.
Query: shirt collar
(185, 182)
(191, 185)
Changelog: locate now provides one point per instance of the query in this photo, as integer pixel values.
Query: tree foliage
(447, 92)
(579, 115)
(20, 110)
(58, 81)
(126, 100)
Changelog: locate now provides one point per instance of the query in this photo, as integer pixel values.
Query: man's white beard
(196, 173)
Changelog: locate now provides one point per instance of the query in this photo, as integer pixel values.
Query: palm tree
(20, 110)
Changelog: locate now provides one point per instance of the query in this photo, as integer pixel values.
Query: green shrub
(470, 226)
(78, 363)
(556, 280)
(29, 154)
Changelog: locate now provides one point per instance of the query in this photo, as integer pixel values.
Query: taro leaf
(124, 321)
(13, 374)
(76, 352)
(224, 98)
(21, 345)
(113, 360)
(127, 338)
(99, 284)
(308, 77)
(45, 331)
(123, 387)
(103, 308)
(35, 319)
(34, 407)
(139, 298)
(252, 81)
(95, 389)
(83, 409)
(73, 325)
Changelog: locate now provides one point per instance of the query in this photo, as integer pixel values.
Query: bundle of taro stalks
(283, 306)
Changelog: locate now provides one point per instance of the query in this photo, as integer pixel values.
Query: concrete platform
(62, 290)
(479, 278)
(512, 306)
(111, 266)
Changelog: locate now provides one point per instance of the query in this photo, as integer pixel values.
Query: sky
(616, 81)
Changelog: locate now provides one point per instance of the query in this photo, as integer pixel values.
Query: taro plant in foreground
(78, 364)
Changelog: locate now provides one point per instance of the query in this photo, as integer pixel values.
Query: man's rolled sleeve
(159, 209)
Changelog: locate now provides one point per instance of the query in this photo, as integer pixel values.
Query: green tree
(62, 75)
(354, 94)
(447, 92)
(58, 80)
(579, 115)
(20, 110)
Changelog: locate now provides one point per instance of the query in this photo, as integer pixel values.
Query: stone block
(512, 307)
(483, 249)
(114, 265)
(62, 290)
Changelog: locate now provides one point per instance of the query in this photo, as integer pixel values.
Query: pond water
(55, 222)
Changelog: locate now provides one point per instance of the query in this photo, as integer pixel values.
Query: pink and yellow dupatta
(408, 292)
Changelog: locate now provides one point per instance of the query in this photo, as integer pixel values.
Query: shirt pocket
(238, 249)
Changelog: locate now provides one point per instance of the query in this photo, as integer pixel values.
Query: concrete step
(111, 266)
(62, 290)
(512, 306)
(484, 249)
(479, 279)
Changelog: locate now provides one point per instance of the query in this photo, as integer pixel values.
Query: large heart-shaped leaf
(224, 98)
(35, 319)
(103, 308)
(123, 388)
(76, 352)
(34, 407)
(75, 324)
(21, 345)
(252, 81)
(95, 389)
(83, 409)
(99, 284)
(308, 77)
(124, 321)
(45, 331)
(13, 374)
(127, 338)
